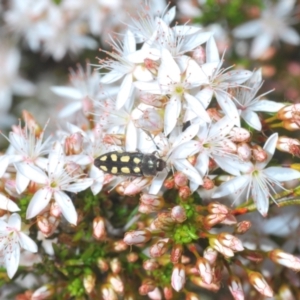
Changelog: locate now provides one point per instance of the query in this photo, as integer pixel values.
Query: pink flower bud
(227, 252)
(159, 248)
(116, 283)
(285, 259)
(259, 154)
(148, 285)
(229, 146)
(151, 65)
(176, 253)
(210, 255)
(168, 292)
(55, 210)
(184, 192)
(229, 220)
(150, 264)
(89, 281)
(107, 292)
(236, 288)
(137, 185)
(217, 208)
(291, 125)
(155, 294)
(178, 214)
(214, 114)
(238, 134)
(180, 179)
(289, 112)
(115, 265)
(102, 264)
(74, 144)
(254, 256)
(164, 221)
(99, 232)
(47, 224)
(244, 151)
(169, 183)
(214, 286)
(260, 284)
(242, 227)
(152, 202)
(178, 277)
(73, 169)
(205, 270)
(137, 237)
(213, 219)
(132, 257)
(230, 241)
(119, 246)
(288, 145)
(114, 139)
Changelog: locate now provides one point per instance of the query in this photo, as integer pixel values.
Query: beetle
(130, 163)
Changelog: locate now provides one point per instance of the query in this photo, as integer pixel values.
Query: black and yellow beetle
(130, 163)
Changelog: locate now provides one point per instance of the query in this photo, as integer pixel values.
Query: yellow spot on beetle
(114, 157)
(125, 158)
(103, 158)
(125, 170)
(136, 160)
(103, 168)
(114, 170)
(136, 170)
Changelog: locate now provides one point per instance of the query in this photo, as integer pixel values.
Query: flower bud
(191, 296)
(102, 264)
(32, 124)
(151, 65)
(229, 146)
(239, 135)
(214, 287)
(89, 281)
(132, 257)
(107, 292)
(244, 151)
(217, 208)
(285, 293)
(137, 237)
(148, 285)
(115, 265)
(213, 219)
(229, 220)
(176, 253)
(99, 232)
(168, 292)
(227, 252)
(260, 284)
(47, 224)
(210, 255)
(74, 170)
(180, 179)
(114, 139)
(159, 248)
(230, 241)
(214, 114)
(55, 210)
(259, 154)
(150, 264)
(285, 259)
(288, 145)
(155, 202)
(164, 221)
(169, 183)
(205, 270)
(178, 277)
(155, 294)
(236, 288)
(184, 192)
(116, 283)
(119, 246)
(74, 144)
(291, 125)
(137, 185)
(178, 214)
(289, 112)
(242, 227)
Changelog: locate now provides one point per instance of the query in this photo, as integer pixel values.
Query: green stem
(271, 119)
(277, 125)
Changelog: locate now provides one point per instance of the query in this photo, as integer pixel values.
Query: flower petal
(7, 204)
(197, 107)
(281, 174)
(32, 172)
(269, 147)
(14, 221)
(252, 119)
(266, 105)
(12, 260)
(66, 206)
(125, 91)
(27, 243)
(39, 201)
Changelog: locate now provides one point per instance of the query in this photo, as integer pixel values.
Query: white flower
(55, 183)
(258, 182)
(28, 149)
(271, 27)
(248, 103)
(11, 240)
(7, 204)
